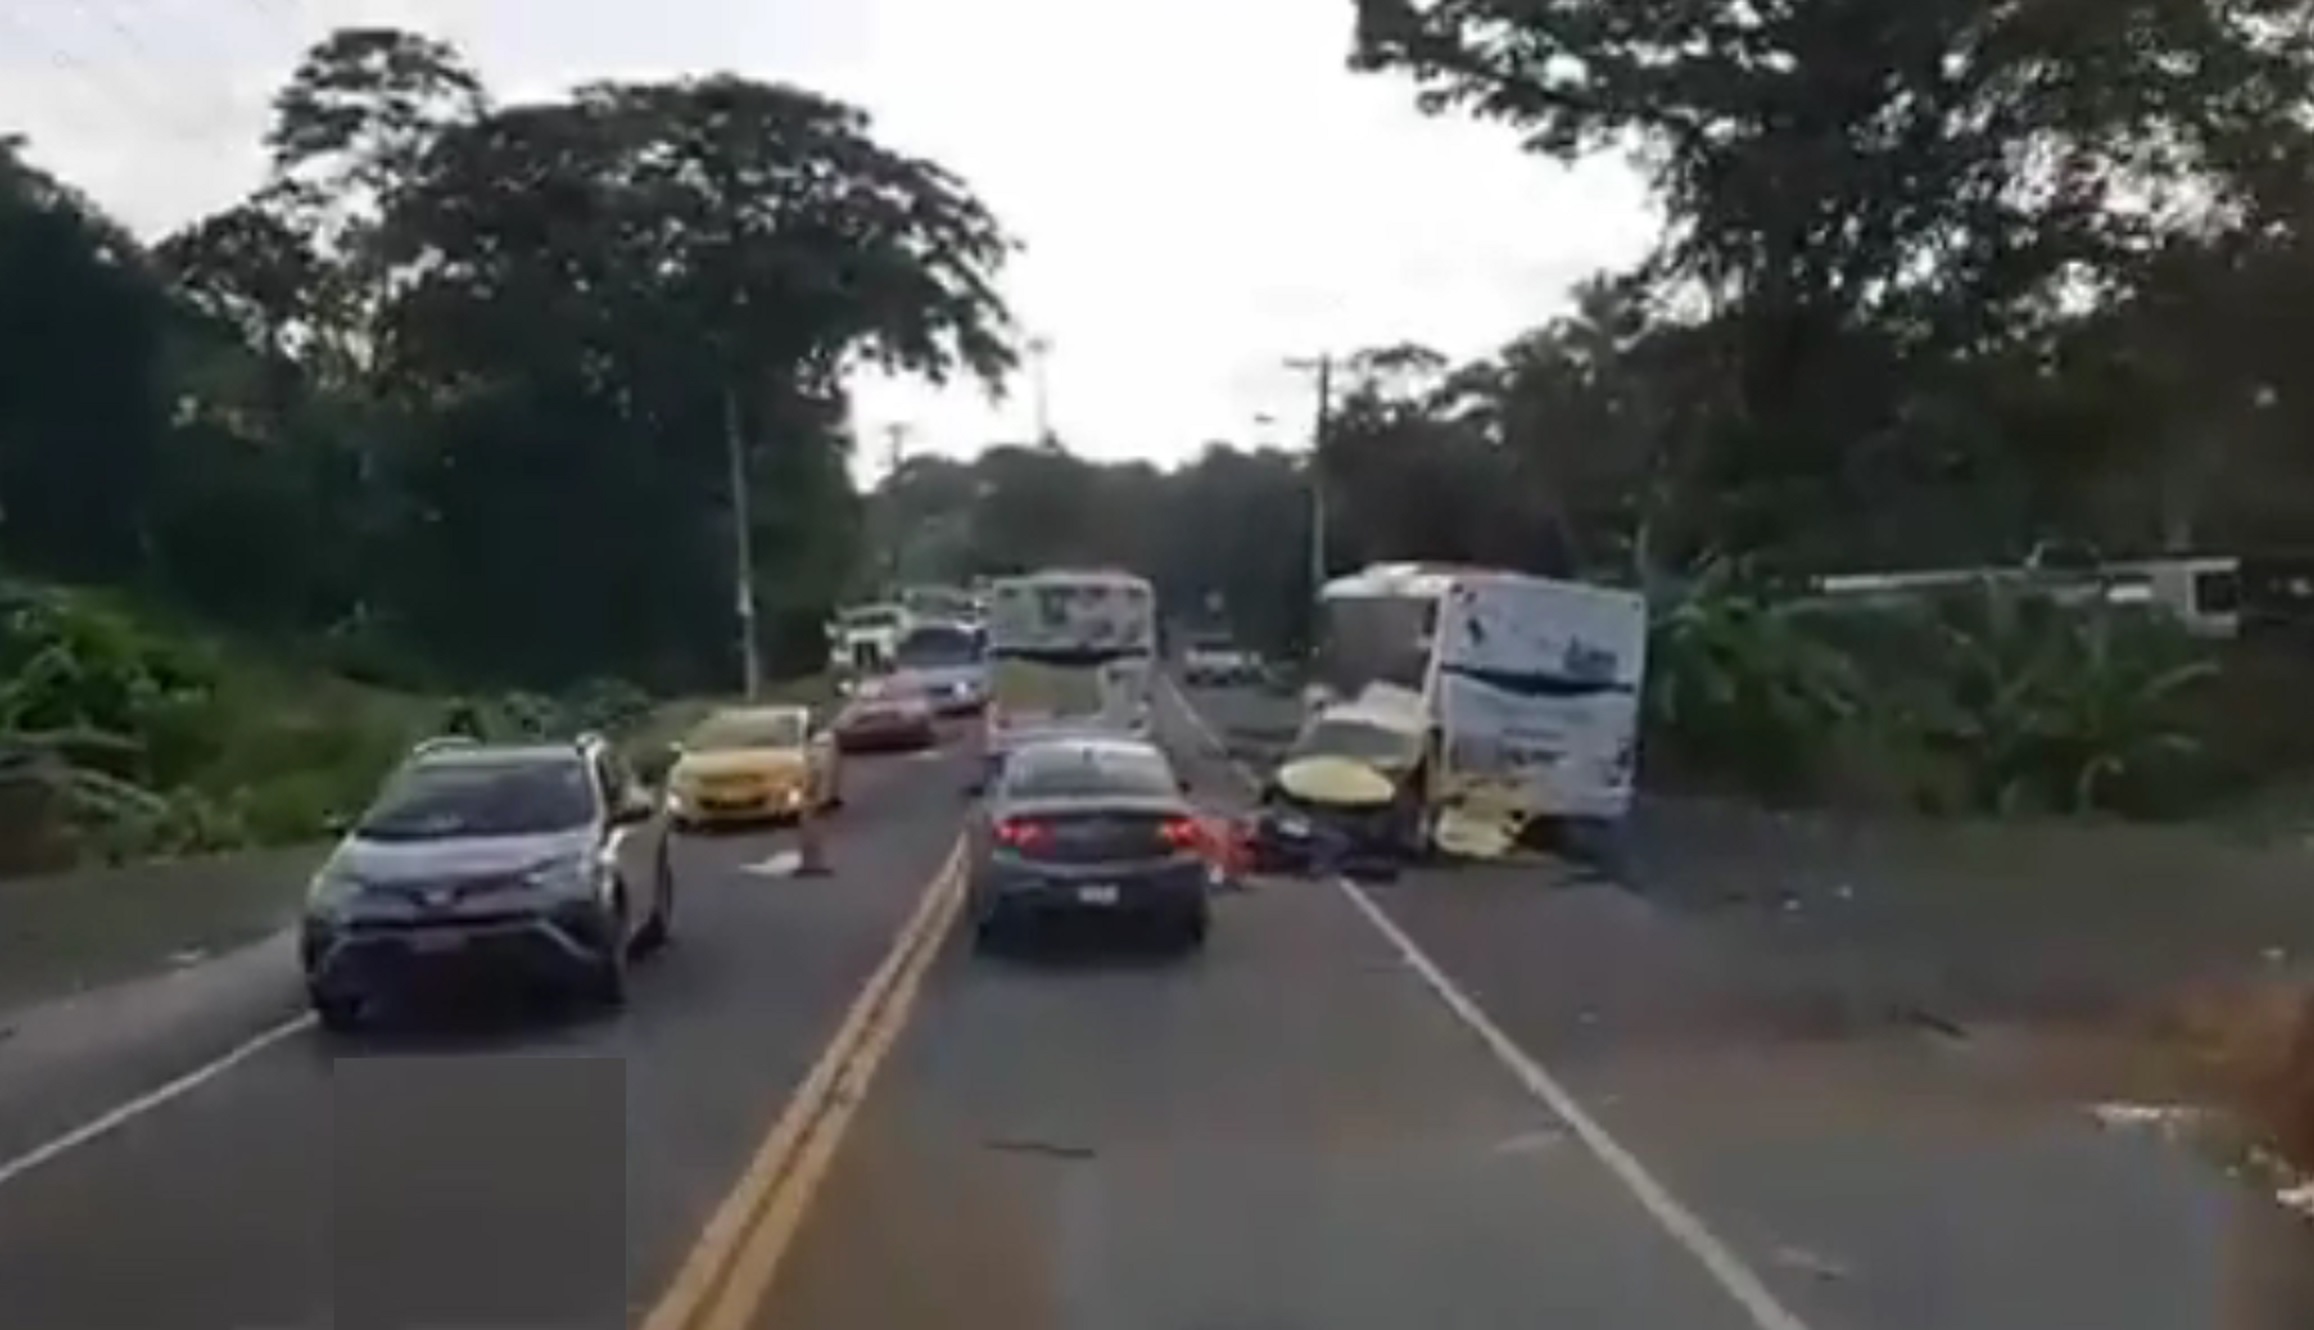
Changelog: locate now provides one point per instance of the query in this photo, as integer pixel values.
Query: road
(1491, 1100)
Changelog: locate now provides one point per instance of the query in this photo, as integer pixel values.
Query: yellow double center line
(722, 1282)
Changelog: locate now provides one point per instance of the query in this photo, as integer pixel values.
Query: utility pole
(1322, 367)
(742, 548)
(895, 455)
(1038, 349)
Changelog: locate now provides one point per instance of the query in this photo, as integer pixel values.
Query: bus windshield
(1085, 617)
(1376, 639)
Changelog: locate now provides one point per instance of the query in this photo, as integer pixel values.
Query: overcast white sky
(1204, 189)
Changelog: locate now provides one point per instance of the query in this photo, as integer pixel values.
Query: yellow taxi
(747, 764)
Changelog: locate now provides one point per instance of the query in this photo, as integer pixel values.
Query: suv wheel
(337, 1015)
(607, 984)
(659, 929)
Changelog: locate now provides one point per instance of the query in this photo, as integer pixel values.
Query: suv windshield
(444, 800)
(740, 730)
(1079, 771)
(937, 648)
(1358, 740)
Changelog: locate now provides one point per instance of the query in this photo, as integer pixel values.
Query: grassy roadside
(69, 931)
(64, 933)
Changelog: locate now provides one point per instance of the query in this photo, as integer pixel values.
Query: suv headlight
(332, 887)
(573, 878)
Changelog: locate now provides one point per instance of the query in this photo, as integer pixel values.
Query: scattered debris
(2299, 1198)
(1047, 1149)
(2171, 1121)
(1533, 1142)
(780, 863)
(1942, 1026)
(1810, 1263)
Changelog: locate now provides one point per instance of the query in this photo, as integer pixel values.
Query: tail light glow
(1019, 834)
(1182, 833)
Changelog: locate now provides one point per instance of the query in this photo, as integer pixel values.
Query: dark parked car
(1091, 825)
(885, 713)
(534, 862)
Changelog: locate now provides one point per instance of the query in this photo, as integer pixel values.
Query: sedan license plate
(1102, 893)
(434, 944)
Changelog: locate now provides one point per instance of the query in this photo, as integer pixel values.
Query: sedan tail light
(1182, 833)
(1019, 834)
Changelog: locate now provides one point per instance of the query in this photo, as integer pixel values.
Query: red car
(885, 713)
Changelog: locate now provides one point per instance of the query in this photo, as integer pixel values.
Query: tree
(84, 404)
(251, 270)
(614, 286)
(1880, 202)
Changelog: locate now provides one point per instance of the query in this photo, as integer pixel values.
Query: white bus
(1530, 686)
(1069, 649)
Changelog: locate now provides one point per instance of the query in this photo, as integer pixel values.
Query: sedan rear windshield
(1086, 771)
(937, 648)
(468, 798)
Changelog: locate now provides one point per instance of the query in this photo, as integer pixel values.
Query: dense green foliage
(456, 386)
(1982, 701)
(445, 401)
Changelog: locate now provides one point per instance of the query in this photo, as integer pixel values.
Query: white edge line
(123, 1114)
(1727, 1269)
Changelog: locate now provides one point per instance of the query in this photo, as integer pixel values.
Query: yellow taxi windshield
(740, 730)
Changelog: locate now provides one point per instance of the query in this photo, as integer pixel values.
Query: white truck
(863, 638)
(1529, 686)
(1068, 649)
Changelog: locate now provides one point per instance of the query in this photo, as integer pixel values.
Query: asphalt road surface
(1492, 1100)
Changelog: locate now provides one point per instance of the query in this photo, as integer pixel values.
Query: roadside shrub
(68, 667)
(608, 706)
(524, 715)
(2058, 709)
(1990, 702)
(1739, 687)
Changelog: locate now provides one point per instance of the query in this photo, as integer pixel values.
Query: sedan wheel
(1190, 932)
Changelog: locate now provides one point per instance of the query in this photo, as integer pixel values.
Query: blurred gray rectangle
(483, 1193)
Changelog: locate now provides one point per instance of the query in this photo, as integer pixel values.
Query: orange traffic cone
(811, 859)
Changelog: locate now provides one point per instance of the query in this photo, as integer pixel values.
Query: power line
(223, 109)
(65, 60)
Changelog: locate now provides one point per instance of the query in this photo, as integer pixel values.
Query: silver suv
(535, 862)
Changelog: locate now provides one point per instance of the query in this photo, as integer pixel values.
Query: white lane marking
(779, 863)
(1727, 1269)
(116, 1118)
(1205, 732)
